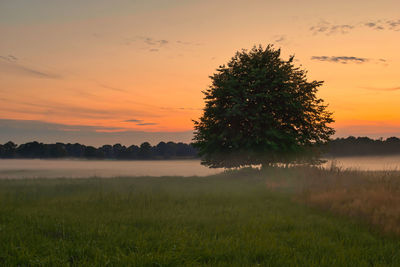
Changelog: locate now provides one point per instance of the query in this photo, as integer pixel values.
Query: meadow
(276, 217)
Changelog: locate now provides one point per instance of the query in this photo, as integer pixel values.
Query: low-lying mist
(36, 168)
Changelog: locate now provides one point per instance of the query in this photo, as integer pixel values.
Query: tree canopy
(169, 150)
(260, 109)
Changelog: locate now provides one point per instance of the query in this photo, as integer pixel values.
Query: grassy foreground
(233, 219)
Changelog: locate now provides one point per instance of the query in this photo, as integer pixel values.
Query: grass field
(243, 218)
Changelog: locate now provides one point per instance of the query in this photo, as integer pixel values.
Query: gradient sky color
(136, 67)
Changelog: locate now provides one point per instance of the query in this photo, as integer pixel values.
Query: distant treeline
(350, 146)
(359, 146)
(163, 150)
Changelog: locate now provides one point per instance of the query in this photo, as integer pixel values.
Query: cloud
(22, 131)
(154, 42)
(63, 109)
(328, 28)
(112, 88)
(149, 43)
(370, 24)
(190, 108)
(9, 58)
(280, 38)
(394, 24)
(189, 43)
(374, 26)
(180, 108)
(9, 64)
(37, 73)
(341, 59)
(387, 89)
(373, 129)
(146, 41)
(183, 42)
(155, 45)
(141, 122)
(35, 125)
(146, 123)
(133, 120)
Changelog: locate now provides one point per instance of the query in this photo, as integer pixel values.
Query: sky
(126, 71)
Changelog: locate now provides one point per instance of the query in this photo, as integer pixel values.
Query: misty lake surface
(37, 168)
(32, 168)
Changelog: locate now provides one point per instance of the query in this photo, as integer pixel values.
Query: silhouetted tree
(261, 109)
(60, 150)
(119, 151)
(133, 152)
(161, 150)
(145, 151)
(75, 150)
(9, 150)
(107, 151)
(363, 146)
(93, 153)
(56, 150)
(31, 150)
(350, 146)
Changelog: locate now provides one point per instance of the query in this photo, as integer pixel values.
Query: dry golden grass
(372, 197)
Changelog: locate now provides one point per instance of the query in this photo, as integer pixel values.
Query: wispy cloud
(112, 88)
(9, 58)
(328, 28)
(155, 45)
(180, 108)
(21, 131)
(387, 89)
(133, 120)
(373, 25)
(190, 108)
(10, 64)
(35, 125)
(146, 123)
(188, 43)
(141, 122)
(40, 107)
(154, 42)
(341, 59)
(148, 43)
(280, 39)
(392, 25)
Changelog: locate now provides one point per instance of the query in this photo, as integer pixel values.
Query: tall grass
(232, 219)
(368, 196)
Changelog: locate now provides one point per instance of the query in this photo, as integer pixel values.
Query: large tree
(260, 109)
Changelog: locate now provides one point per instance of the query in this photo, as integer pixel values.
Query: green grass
(225, 220)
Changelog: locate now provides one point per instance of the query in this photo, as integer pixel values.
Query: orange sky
(141, 65)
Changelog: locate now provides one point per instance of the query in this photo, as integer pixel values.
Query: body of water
(33, 168)
(366, 163)
(37, 168)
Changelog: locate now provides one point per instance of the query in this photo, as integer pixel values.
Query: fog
(37, 168)
(366, 163)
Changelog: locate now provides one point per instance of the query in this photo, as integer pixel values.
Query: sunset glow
(117, 66)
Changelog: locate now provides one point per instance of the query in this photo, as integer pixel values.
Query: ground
(243, 218)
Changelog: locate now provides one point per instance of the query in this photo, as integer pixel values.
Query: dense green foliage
(350, 146)
(163, 150)
(260, 109)
(225, 220)
(362, 146)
